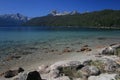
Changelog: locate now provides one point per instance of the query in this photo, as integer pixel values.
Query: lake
(12, 37)
(27, 46)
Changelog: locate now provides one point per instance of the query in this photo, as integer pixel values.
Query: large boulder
(55, 69)
(105, 64)
(110, 65)
(105, 76)
(34, 75)
(110, 50)
(62, 64)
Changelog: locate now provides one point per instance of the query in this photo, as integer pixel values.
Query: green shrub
(99, 64)
(117, 52)
(71, 72)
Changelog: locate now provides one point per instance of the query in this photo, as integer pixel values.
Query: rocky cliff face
(12, 19)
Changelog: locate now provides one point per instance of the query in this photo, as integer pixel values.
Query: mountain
(100, 19)
(56, 13)
(12, 19)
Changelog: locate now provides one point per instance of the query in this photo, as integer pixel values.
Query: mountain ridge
(12, 19)
(103, 18)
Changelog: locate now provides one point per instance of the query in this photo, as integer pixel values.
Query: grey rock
(105, 76)
(89, 70)
(43, 69)
(62, 64)
(34, 75)
(110, 50)
(78, 79)
(62, 78)
(20, 70)
(105, 63)
(12, 73)
(56, 67)
(110, 65)
(54, 73)
(85, 63)
(21, 76)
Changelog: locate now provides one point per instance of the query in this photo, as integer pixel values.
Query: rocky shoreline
(103, 64)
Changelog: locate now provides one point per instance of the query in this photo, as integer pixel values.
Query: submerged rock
(85, 49)
(85, 46)
(101, 38)
(12, 57)
(67, 50)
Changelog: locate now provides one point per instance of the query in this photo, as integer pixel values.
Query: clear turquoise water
(30, 34)
(14, 36)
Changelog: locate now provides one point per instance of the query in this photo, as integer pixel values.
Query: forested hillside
(104, 18)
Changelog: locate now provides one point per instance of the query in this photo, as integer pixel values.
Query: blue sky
(34, 8)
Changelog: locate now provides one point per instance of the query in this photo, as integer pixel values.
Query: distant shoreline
(89, 27)
(62, 27)
(107, 28)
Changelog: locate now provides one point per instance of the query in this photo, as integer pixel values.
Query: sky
(34, 8)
